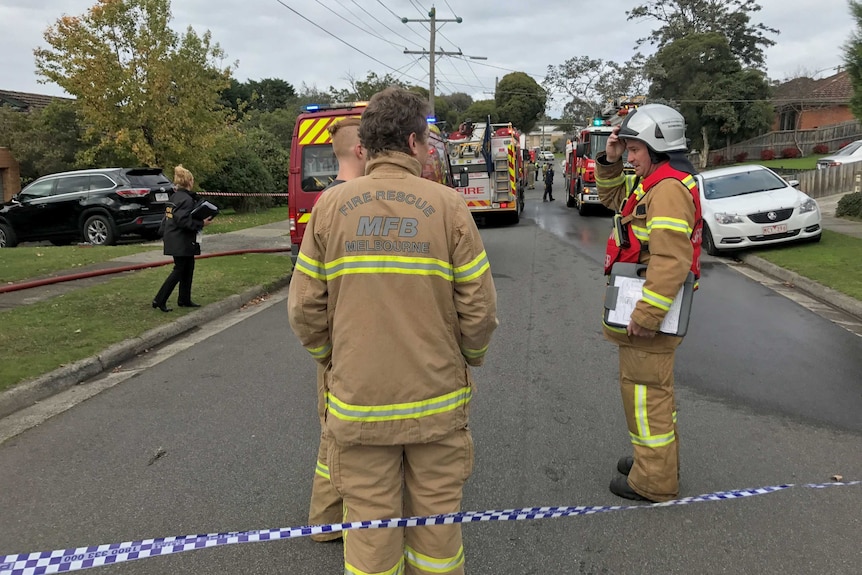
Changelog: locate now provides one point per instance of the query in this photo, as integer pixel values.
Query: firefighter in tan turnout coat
(392, 292)
(661, 228)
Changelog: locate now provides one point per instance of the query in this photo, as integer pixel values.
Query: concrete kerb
(30, 392)
(827, 295)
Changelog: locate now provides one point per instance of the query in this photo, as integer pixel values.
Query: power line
(384, 25)
(398, 17)
(354, 24)
(316, 25)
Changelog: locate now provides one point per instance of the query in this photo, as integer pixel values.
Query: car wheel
(99, 231)
(570, 200)
(7, 237)
(708, 242)
(515, 217)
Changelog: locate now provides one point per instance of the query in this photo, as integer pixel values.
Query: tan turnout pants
(646, 383)
(326, 506)
(385, 481)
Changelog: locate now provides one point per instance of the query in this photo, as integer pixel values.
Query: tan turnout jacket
(393, 292)
(670, 251)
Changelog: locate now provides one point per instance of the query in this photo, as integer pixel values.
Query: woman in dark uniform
(180, 239)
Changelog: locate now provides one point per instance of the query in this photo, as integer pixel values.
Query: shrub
(717, 160)
(850, 205)
(767, 154)
(740, 157)
(821, 149)
(843, 144)
(790, 153)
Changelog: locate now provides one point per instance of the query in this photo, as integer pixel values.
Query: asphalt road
(767, 393)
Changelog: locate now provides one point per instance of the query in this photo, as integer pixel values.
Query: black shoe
(189, 304)
(552, 199)
(620, 487)
(625, 464)
(161, 306)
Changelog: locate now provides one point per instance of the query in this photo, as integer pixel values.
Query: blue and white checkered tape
(67, 560)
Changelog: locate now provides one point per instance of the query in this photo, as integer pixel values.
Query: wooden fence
(828, 181)
(833, 137)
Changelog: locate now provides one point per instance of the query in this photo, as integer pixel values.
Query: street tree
(479, 111)
(587, 84)
(721, 101)
(853, 59)
(43, 141)
(143, 90)
(360, 90)
(520, 99)
(730, 18)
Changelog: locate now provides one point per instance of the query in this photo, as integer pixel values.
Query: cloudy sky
(321, 42)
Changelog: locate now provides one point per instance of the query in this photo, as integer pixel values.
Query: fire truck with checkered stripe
(492, 180)
(580, 170)
(313, 165)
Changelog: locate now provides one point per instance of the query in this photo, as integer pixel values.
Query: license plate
(161, 197)
(591, 198)
(778, 229)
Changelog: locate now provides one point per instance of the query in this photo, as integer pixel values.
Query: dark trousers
(183, 272)
(548, 193)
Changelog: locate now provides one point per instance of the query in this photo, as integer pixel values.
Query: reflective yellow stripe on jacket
(398, 411)
(375, 264)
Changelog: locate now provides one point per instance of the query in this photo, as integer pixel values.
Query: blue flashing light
(431, 119)
(598, 122)
(312, 107)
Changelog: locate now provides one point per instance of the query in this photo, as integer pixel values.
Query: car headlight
(728, 218)
(808, 205)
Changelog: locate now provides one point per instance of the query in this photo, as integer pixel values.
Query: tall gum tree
(143, 90)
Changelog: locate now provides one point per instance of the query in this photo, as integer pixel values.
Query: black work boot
(625, 464)
(620, 487)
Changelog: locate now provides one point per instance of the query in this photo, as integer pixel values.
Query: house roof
(25, 101)
(835, 89)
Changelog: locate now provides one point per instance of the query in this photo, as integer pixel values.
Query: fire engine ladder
(501, 178)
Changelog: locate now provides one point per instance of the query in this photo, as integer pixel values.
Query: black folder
(204, 210)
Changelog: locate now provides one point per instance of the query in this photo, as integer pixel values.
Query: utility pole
(432, 53)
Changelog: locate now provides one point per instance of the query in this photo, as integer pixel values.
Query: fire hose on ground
(126, 268)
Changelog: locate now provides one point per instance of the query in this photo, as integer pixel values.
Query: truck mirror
(579, 151)
(463, 179)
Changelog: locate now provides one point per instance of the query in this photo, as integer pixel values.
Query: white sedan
(750, 205)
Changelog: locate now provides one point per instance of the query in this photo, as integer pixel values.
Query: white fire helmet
(658, 126)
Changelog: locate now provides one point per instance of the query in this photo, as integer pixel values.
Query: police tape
(67, 560)
(243, 195)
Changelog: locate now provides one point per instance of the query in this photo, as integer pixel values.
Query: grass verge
(833, 262)
(18, 264)
(39, 338)
(230, 221)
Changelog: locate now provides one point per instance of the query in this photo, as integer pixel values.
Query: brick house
(10, 177)
(807, 104)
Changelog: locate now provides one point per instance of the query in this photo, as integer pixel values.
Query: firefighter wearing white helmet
(659, 226)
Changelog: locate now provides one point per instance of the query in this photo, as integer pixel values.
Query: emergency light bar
(336, 106)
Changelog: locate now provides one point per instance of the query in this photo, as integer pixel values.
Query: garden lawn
(833, 262)
(41, 337)
(801, 164)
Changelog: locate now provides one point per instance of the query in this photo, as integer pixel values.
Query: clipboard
(625, 289)
(204, 210)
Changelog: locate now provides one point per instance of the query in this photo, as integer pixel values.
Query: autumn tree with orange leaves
(145, 93)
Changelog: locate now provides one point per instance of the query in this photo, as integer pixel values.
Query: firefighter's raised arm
(615, 147)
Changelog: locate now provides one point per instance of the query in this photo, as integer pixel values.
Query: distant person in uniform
(549, 183)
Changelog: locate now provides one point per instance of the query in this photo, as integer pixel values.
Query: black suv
(97, 206)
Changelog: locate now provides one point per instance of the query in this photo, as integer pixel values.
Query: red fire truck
(488, 164)
(313, 165)
(580, 176)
